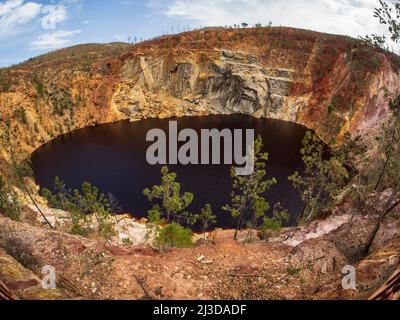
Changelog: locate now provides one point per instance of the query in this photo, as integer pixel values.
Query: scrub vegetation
(83, 205)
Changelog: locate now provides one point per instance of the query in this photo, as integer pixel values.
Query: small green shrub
(331, 108)
(82, 204)
(174, 236)
(38, 82)
(127, 242)
(271, 226)
(9, 204)
(78, 230)
(5, 82)
(60, 99)
(20, 114)
(106, 227)
(293, 271)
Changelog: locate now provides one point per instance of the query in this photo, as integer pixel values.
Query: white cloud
(350, 17)
(17, 16)
(53, 40)
(15, 12)
(121, 37)
(53, 15)
(9, 5)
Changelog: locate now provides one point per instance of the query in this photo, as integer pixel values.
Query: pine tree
(9, 204)
(206, 218)
(322, 178)
(81, 204)
(168, 204)
(115, 206)
(388, 15)
(248, 203)
(390, 143)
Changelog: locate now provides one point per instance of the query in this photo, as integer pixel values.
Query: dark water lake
(113, 158)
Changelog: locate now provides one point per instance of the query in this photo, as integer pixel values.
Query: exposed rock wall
(331, 84)
(239, 82)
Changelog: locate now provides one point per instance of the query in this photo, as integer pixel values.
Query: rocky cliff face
(331, 84)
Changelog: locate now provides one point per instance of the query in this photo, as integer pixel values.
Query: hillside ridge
(331, 84)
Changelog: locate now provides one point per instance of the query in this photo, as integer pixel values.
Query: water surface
(113, 157)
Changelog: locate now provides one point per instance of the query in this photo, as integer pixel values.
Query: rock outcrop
(18, 282)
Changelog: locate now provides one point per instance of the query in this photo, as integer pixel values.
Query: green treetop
(248, 203)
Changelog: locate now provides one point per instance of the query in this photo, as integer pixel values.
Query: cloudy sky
(31, 27)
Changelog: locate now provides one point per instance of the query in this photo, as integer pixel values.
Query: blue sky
(32, 27)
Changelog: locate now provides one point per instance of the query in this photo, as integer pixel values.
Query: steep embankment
(332, 84)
